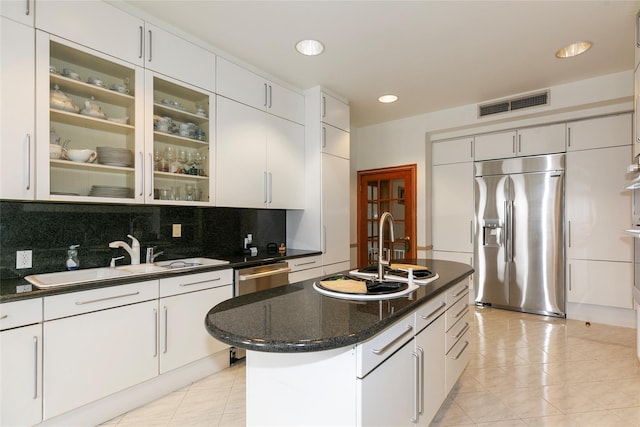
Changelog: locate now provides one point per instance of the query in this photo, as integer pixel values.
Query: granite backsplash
(48, 229)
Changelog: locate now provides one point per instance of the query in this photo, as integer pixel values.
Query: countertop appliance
(254, 279)
(519, 250)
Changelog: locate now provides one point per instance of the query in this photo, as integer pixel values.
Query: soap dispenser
(73, 263)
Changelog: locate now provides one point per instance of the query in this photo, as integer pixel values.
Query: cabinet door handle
(264, 177)
(324, 239)
(324, 107)
(460, 292)
(324, 137)
(471, 232)
(141, 42)
(200, 282)
(107, 298)
(4, 316)
(35, 367)
(394, 341)
(270, 187)
(513, 144)
(141, 180)
(568, 136)
(471, 148)
(27, 11)
(457, 356)
(569, 277)
(270, 96)
(421, 377)
(462, 331)
(155, 332)
(150, 45)
(416, 386)
(442, 304)
(166, 329)
(150, 176)
(462, 312)
(266, 96)
(27, 160)
(569, 233)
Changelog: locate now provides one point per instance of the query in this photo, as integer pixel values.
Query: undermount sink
(89, 275)
(190, 263)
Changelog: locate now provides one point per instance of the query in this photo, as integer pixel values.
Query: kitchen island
(318, 360)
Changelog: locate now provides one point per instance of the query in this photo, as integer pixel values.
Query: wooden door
(387, 190)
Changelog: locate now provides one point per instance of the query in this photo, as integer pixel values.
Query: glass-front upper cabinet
(178, 135)
(91, 107)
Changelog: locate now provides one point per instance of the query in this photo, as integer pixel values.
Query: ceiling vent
(505, 105)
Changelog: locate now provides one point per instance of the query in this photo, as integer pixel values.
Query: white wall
(408, 140)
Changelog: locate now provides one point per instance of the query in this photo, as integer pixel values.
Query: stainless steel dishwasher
(254, 279)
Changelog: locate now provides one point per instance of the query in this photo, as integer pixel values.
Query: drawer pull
(35, 367)
(462, 312)
(107, 298)
(442, 304)
(305, 263)
(392, 343)
(465, 328)
(4, 316)
(460, 292)
(457, 356)
(201, 282)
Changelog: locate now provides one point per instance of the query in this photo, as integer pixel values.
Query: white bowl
(82, 156)
(55, 151)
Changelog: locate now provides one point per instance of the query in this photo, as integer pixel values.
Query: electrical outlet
(23, 259)
(177, 230)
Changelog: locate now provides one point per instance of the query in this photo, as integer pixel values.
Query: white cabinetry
(305, 268)
(522, 142)
(335, 212)
(18, 10)
(599, 266)
(175, 57)
(85, 127)
(17, 109)
(636, 112)
(259, 158)
(179, 164)
(242, 85)
(335, 112)
(94, 24)
(21, 362)
(609, 131)
(109, 336)
(452, 151)
(184, 303)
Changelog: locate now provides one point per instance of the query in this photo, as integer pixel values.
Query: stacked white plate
(110, 191)
(115, 156)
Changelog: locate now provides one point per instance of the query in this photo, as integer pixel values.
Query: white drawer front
(430, 311)
(70, 304)
(20, 313)
(456, 361)
(456, 312)
(456, 332)
(456, 292)
(195, 282)
(373, 352)
(298, 264)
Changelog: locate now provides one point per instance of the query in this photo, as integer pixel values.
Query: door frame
(410, 194)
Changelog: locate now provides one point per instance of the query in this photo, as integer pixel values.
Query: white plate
(363, 297)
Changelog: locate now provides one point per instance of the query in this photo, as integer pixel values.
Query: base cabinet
(93, 355)
(21, 372)
(430, 349)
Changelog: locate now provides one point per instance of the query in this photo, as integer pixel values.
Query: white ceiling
(432, 54)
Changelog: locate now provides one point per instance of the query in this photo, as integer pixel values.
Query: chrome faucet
(133, 250)
(152, 255)
(386, 216)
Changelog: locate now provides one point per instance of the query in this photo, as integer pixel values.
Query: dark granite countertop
(19, 289)
(296, 318)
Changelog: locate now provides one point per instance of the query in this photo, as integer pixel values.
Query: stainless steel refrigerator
(519, 251)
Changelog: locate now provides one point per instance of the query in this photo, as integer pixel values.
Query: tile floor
(525, 370)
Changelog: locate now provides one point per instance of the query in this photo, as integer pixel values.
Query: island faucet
(133, 250)
(386, 216)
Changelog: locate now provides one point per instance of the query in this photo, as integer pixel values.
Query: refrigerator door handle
(508, 250)
(507, 231)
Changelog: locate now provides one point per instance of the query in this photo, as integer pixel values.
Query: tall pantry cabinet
(325, 221)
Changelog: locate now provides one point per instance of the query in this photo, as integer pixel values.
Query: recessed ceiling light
(309, 47)
(574, 49)
(386, 99)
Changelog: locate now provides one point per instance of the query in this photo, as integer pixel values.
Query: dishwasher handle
(243, 277)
